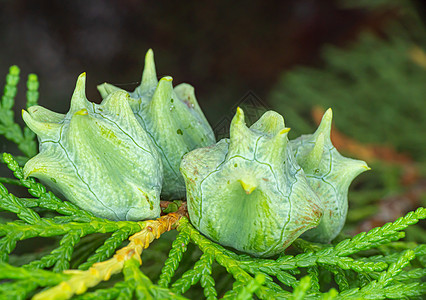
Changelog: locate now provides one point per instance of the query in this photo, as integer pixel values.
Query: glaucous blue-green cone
(98, 156)
(248, 192)
(329, 174)
(173, 119)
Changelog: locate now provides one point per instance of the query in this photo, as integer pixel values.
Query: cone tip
(285, 130)
(328, 115)
(367, 168)
(26, 116)
(247, 187)
(167, 78)
(150, 52)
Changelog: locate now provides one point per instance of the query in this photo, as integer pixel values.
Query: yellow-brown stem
(80, 281)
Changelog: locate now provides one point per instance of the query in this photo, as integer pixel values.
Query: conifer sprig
(332, 259)
(179, 246)
(81, 280)
(8, 127)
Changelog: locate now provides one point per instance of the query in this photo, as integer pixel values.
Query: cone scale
(98, 156)
(172, 118)
(329, 174)
(248, 192)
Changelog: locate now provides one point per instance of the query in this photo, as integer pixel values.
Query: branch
(80, 281)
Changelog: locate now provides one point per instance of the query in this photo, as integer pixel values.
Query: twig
(102, 271)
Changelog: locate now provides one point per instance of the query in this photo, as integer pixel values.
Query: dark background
(223, 48)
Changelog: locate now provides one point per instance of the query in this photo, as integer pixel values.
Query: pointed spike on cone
(105, 89)
(42, 114)
(33, 166)
(325, 125)
(270, 122)
(149, 75)
(238, 123)
(163, 94)
(363, 166)
(277, 145)
(247, 186)
(283, 131)
(45, 165)
(44, 130)
(186, 93)
(354, 167)
(167, 79)
(314, 157)
(242, 139)
(240, 113)
(280, 140)
(118, 103)
(78, 99)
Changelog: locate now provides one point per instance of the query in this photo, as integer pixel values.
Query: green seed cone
(248, 192)
(329, 174)
(173, 119)
(98, 156)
